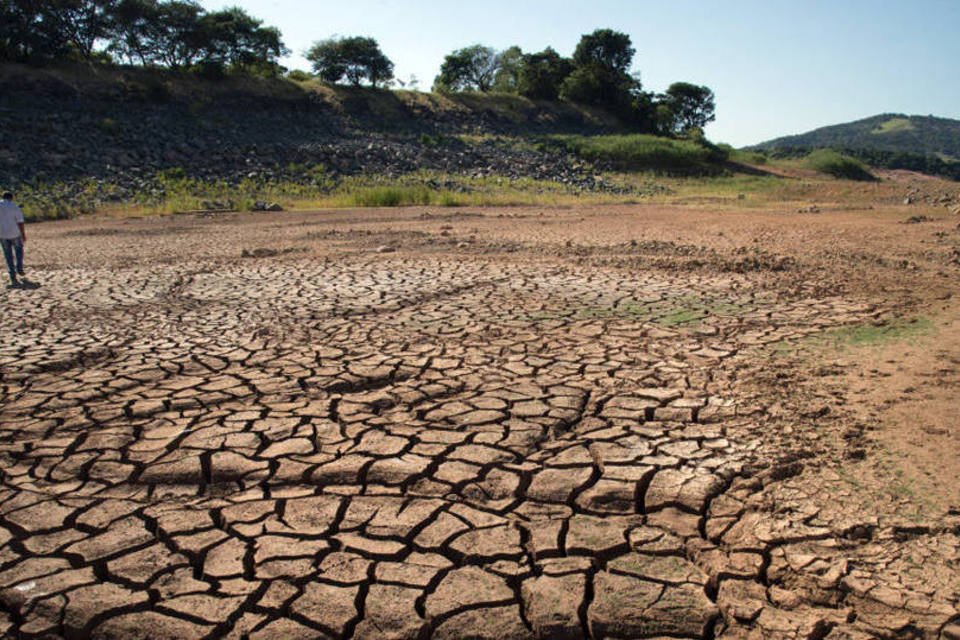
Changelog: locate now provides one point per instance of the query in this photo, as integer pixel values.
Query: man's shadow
(25, 284)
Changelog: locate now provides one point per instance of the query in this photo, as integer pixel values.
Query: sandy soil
(604, 422)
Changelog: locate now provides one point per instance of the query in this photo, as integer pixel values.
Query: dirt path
(489, 423)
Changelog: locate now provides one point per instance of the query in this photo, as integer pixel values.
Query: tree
(131, 29)
(355, 58)
(233, 38)
(601, 76)
(174, 37)
(46, 29)
(180, 34)
(692, 106)
(23, 36)
(605, 48)
(470, 69)
(79, 24)
(542, 74)
(509, 65)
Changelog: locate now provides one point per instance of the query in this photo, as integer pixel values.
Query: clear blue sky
(777, 67)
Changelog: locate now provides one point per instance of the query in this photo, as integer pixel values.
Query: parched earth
(502, 424)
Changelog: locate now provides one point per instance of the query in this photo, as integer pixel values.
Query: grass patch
(748, 157)
(893, 125)
(674, 312)
(309, 187)
(391, 196)
(682, 317)
(866, 335)
(838, 165)
(639, 152)
(862, 335)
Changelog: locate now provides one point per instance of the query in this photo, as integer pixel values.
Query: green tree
(601, 75)
(605, 48)
(509, 66)
(46, 29)
(234, 39)
(82, 23)
(23, 36)
(692, 106)
(472, 68)
(131, 30)
(355, 58)
(172, 35)
(542, 74)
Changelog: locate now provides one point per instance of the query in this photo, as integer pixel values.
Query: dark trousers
(13, 254)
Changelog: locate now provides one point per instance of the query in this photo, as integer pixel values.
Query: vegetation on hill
(181, 34)
(929, 164)
(838, 165)
(639, 152)
(178, 34)
(597, 74)
(925, 135)
(892, 141)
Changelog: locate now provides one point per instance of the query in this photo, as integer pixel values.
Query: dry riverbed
(606, 422)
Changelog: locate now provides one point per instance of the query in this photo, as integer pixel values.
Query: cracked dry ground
(512, 426)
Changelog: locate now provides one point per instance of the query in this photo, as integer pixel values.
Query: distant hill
(891, 132)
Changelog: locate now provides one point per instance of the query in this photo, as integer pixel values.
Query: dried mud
(524, 423)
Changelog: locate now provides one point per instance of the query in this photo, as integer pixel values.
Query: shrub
(298, 76)
(391, 196)
(644, 152)
(745, 157)
(838, 165)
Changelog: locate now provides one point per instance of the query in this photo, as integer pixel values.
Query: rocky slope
(121, 127)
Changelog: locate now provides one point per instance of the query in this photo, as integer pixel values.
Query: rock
(385, 249)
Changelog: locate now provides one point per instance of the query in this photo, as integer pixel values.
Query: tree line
(178, 34)
(598, 73)
(181, 34)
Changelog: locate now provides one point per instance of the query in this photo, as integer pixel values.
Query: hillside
(82, 137)
(891, 132)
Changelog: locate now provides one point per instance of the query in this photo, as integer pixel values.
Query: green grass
(684, 311)
(308, 187)
(639, 152)
(861, 335)
(748, 157)
(682, 317)
(894, 124)
(866, 335)
(835, 164)
(398, 196)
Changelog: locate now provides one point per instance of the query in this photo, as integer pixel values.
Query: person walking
(12, 236)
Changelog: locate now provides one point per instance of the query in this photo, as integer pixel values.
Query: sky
(777, 67)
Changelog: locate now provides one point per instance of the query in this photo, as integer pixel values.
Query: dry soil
(600, 422)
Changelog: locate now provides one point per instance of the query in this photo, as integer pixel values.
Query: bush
(644, 152)
(298, 76)
(838, 165)
(391, 196)
(745, 157)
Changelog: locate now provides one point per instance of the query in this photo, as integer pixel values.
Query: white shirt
(10, 216)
